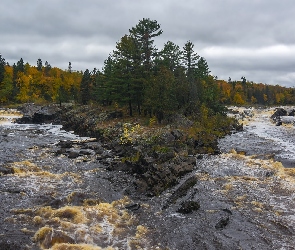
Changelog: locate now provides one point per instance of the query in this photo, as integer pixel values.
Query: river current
(49, 201)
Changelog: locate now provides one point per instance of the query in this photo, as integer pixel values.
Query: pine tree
(190, 60)
(170, 56)
(85, 87)
(2, 68)
(70, 67)
(143, 33)
(20, 67)
(47, 69)
(39, 65)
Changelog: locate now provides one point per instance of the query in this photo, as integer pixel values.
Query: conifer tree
(190, 60)
(143, 33)
(2, 68)
(85, 87)
(39, 65)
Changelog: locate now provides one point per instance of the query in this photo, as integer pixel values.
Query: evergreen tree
(85, 87)
(127, 85)
(160, 98)
(39, 65)
(20, 67)
(2, 68)
(202, 71)
(190, 59)
(170, 56)
(70, 67)
(143, 34)
(47, 69)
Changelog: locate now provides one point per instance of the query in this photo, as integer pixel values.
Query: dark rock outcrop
(37, 114)
(188, 207)
(279, 112)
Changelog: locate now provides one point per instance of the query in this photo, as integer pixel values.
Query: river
(50, 201)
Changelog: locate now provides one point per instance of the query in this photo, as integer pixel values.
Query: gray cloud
(252, 38)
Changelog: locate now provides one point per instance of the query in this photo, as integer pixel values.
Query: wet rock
(133, 207)
(45, 114)
(8, 245)
(6, 170)
(86, 152)
(56, 236)
(279, 122)
(279, 112)
(181, 191)
(33, 113)
(61, 151)
(182, 168)
(65, 144)
(269, 174)
(188, 207)
(79, 198)
(55, 203)
(222, 223)
(92, 145)
(73, 154)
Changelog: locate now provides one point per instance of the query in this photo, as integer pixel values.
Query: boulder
(187, 207)
(279, 112)
(73, 154)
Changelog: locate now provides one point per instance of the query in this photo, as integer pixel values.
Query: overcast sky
(253, 38)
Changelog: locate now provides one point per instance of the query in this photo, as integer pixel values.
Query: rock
(60, 151)
(133, 207)
(222, 223)
(65, 144)
(37, 114)
(181, 191)
(78, 199)
(182, 169)
(279, 112)
(56, 236)
(55, 203)
(167, 138)
(86, 152)
(6, 170)
(188, 207)
(73, 154)
(164, 157)
(45, 114)
(177, 134)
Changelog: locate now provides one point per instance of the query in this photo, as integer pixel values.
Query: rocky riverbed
(61, 191)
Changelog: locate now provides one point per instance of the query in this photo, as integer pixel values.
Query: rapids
(244, 196)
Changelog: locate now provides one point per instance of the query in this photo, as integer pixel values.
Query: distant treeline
(140, 78)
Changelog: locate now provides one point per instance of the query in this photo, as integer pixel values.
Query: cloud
(253, 38)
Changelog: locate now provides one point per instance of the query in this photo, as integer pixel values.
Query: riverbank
(157, 154)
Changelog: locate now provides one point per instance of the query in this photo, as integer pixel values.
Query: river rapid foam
(245, 195)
